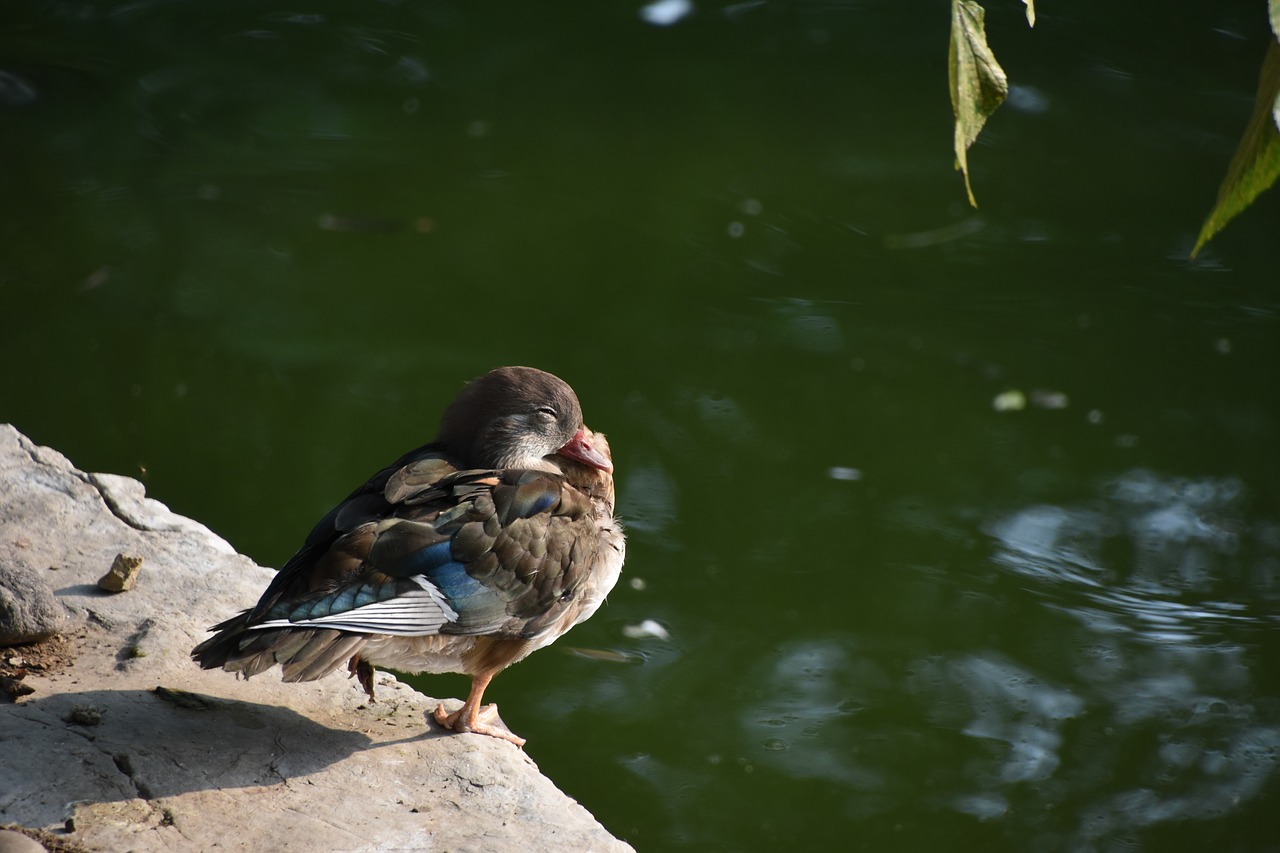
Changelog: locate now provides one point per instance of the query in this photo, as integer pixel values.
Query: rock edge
(132, 747)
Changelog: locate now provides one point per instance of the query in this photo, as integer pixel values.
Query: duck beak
(578, 448)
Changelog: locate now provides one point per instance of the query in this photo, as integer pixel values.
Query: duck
(464, 555)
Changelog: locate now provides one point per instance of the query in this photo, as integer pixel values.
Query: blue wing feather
(427, 561)
(339, 601)
(458, 586)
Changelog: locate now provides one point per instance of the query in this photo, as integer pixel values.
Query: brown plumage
(465, 555)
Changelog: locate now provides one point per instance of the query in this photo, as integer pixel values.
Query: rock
(84, 715)
(12, 689)
(29, 611)
(122, 575)
(127, 745)
(16, 842)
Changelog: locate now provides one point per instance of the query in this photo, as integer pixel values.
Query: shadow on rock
(105, 745)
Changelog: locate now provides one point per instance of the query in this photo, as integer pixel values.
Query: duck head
(517, 417)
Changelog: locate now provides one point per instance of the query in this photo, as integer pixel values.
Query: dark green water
(248, 253)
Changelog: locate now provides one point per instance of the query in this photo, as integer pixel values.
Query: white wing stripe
(413, 614)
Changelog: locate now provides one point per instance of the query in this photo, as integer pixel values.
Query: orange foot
(480, 720)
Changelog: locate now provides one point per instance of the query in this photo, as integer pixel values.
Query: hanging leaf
(1256, 163)
(978, 83)
(1031, 11)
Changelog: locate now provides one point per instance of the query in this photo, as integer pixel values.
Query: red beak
(580, 449)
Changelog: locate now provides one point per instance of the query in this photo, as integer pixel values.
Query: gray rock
(182, 759)
(16, 842)
(29, 611)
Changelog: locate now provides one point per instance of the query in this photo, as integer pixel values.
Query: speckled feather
(438, 565)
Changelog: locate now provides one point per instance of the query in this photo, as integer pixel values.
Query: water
(249, 254)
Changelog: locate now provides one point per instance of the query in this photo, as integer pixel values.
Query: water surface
(249, 254)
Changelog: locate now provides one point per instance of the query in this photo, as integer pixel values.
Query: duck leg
(362, 670)
(473, 717)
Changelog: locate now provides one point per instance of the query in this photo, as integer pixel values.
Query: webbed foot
(482, 720)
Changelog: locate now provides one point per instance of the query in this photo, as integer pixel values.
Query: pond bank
(120, 742)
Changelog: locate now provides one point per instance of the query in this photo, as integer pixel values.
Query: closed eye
(546, 413)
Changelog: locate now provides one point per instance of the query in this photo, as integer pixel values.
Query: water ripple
(1151, 558)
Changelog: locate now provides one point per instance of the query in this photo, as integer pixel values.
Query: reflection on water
(1125, 705)
(1008, 704)
(1149, 558)
(1145, 571)
(799, 727)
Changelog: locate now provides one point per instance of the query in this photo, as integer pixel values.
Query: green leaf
(978, 83)
(1031, 11)
(1274, 6)
(1256, 163)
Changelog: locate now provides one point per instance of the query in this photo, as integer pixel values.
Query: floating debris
(608, 655)
(649, 629)
(837, 472)
(1046, 399)
(664, 13)
(1010, 401)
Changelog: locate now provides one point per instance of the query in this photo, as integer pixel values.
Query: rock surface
(129, 746)
(29, 611)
